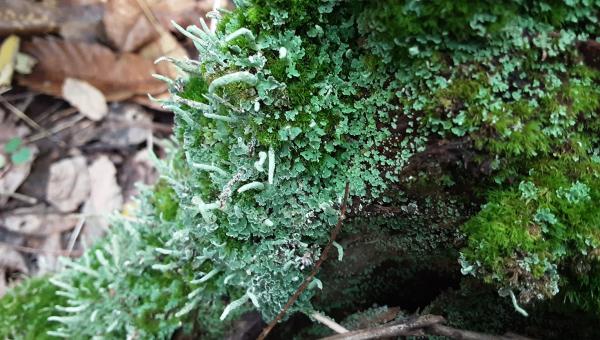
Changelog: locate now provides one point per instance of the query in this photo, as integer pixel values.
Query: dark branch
(423, 325)
(396, 329)
(469, 335)
(309, 278)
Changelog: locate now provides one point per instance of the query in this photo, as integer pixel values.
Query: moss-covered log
(469, 134)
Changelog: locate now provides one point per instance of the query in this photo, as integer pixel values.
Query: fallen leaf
(28, 17)
(105, 198)
(38, 220)
(11, 262)
(24, 63)
(73, 19)
(137, 169)
(11, 259)
(183, 12)
(82, 21)
(81, 2)
(165, 45)
(126, 125)
(117, 76)
(88, 99)
(129, 27)
(8, 56)
(147, 102)
(126, 26)
(47, 261)
(68, 183)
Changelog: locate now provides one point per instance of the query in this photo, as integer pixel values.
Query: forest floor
(76, 124)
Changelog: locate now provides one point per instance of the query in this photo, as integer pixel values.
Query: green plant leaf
(2, 161)
(22, 156)
(13, 144)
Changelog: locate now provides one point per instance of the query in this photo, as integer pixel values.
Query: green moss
(25, 310)
(165, 201)
(522, 240)
(392, 96)
(194, 89)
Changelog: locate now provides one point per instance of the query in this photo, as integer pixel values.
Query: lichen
(426, 109)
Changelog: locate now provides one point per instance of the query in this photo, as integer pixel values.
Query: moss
(26, 309)
(524, 237)
(398, 98)
(194, 89)
(165, 201)
(277, 66)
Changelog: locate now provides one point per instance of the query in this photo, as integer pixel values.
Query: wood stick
(331, 324)
(395, 329)
(309, 278)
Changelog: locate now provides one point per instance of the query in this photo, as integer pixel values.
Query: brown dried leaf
(88, 99)
(81, 20)
(68, 183)
(137, 169)
(147, 102)
(126, 125)
(27, 17)
(126, 26)
(38, 220)
(117, 76)
(48, 259)
(11, 261)
(165, 45)
(105, 198)
(183, 12)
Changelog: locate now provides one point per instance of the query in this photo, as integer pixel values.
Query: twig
(75, 235)
(334, 326)
(28, 120)
(20, 197)
(423, 325)
(149, 14)
(59, 115)
(152, 18)
(56, 129)
(21, 115)
(397, 329)
(48, 112)
(309, 278)
(40, 251)
(16, 96)
(461, 334)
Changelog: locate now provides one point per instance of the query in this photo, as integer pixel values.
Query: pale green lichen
(328, 92)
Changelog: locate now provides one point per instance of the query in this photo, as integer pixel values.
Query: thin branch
(20, 197)
(461, 334)
(21, 115)
(334, 326)
(396, 329)
(56, 129)
(30, 250)
(423, 325)
(75, 235)
(309, 278)
(149, 14)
